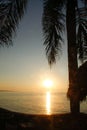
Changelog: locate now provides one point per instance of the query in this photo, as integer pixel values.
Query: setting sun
(48, 83)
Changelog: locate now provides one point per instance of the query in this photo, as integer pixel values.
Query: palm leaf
(10, 13)
(82, 34)
(53, 28)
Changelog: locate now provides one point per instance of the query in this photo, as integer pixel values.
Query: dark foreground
(17, 121)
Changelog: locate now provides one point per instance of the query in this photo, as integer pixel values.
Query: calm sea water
(37, 103)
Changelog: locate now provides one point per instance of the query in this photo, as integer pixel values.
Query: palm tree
(82, 80)
(11, 11)
(57, 14)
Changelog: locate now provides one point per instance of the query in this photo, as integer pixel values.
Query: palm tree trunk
(72, 56)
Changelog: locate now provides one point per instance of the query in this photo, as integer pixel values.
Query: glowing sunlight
(48, 83)
(48, 103)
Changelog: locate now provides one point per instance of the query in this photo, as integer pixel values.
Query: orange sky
(24, 66)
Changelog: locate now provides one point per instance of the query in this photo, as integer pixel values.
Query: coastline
(10, 120)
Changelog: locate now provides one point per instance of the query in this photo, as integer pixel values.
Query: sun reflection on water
(48, 103)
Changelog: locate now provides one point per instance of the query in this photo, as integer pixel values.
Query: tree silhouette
(56, 14)
(82, 80)
(11, 11)
(68, 14)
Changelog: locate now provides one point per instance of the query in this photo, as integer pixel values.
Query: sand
(18, 121)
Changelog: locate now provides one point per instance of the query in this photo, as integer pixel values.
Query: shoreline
(10, 120)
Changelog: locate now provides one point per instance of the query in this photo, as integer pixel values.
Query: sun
(48, 83)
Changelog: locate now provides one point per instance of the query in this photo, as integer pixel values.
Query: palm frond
(10, 14)
(82, 34)
(53, 28)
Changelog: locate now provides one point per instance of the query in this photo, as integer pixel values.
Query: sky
(24, 66)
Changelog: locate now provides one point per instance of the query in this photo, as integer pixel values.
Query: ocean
(37, 103)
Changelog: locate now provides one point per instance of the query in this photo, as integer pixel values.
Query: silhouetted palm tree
(56, 14)
(82, 80)
(11, 11)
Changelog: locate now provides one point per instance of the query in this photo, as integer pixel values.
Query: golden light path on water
(48, 103)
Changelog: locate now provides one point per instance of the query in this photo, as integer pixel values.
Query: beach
(10, 120)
